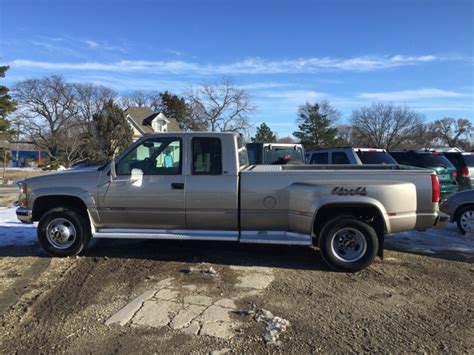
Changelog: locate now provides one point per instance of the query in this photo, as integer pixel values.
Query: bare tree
(46, 106)
(451, 131)
(91, 99)
(221, 107)
(141, 98)
(385, 125)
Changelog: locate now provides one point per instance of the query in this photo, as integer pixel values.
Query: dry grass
(7, 200)
(20, 174)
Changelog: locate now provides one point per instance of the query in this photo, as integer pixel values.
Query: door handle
(177, 186)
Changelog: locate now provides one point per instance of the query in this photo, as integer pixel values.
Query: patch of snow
(432, 241)
(12, 231)
(275, 325)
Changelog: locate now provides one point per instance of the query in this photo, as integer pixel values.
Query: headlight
(23, 197)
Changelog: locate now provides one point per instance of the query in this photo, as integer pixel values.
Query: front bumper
(24, 214)
(441, 221)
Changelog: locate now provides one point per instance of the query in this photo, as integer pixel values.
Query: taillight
(23, 198)
(435, 188)
(464, 171)
(455, 174)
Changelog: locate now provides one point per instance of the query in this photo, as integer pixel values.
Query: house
(22, 154)
(145, 121)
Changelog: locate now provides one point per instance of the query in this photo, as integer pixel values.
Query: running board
(257, 237)
(172, 234)
(275, 237)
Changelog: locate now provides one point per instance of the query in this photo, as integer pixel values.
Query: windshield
(375, 157)
(283, 154)
(435, 160)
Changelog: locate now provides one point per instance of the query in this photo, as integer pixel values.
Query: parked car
(275, 153)
(349, 155)
(200, 186)
(464, 164)
(460, 208)
(434, 161)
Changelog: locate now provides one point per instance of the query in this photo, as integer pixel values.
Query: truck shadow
(225, 253)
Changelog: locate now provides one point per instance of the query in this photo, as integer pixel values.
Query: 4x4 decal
(341, 191)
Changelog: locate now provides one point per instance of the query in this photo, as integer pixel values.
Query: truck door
(148, 191)
(211, 188)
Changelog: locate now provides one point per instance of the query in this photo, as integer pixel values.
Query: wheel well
(366, 213)
(45, 203)
(460, 208)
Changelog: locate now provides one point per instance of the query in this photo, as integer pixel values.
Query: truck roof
(193, 133)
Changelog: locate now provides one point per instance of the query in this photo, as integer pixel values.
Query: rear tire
(465, 219)
(63, 232)
(348, 244)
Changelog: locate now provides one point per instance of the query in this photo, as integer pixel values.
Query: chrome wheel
(348, 244)
(466, 220)
(61, 233)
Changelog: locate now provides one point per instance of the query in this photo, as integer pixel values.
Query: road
(407, 303)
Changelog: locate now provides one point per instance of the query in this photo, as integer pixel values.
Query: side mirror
(113, 172)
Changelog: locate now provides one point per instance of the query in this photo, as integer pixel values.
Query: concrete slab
(192, 329)
(198, 300)
(226, 303)
(163, 283)
(185, 316)
(215, 314)
(221, 330)
(156, 313)
(123, 316)
(166, 294)
(257, 281)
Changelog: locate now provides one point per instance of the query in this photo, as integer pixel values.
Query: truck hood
(73, 177)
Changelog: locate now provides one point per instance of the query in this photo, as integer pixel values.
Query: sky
(417, 53)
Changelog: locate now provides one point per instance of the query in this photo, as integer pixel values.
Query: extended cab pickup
(199, 186)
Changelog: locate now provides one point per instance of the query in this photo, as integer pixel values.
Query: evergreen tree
(315, 128)
(176, 107)
(7, 105)
(113, 131)
(264, 135)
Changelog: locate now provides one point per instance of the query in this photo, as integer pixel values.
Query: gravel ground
(407, 303)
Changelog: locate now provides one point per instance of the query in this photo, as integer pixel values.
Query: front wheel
(63, 232)
(348, 244)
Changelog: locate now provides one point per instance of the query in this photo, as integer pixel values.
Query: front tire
(63, 232)
(348, 244)
(465, 219)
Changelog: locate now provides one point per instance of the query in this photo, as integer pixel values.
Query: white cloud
(92, 44)
(411, 95)
(247, 66)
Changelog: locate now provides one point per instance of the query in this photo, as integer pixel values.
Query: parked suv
(275, 153)
(349, 155)
(431, 160)
(464, 164)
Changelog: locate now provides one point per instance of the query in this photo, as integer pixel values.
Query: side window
(319, 158)
(340, 158)
(155, 156)
(207, 156)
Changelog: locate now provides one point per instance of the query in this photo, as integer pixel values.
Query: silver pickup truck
(199, 186)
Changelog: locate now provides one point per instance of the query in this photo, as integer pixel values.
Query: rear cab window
(375, 157)
(275, 154)
(207, 156)
(319, 158)
(340, 158)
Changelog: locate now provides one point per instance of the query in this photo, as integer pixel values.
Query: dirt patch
(407, 303)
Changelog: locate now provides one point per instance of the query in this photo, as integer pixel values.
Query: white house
(145, 121)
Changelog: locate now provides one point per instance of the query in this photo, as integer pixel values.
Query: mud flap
(381, 246)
